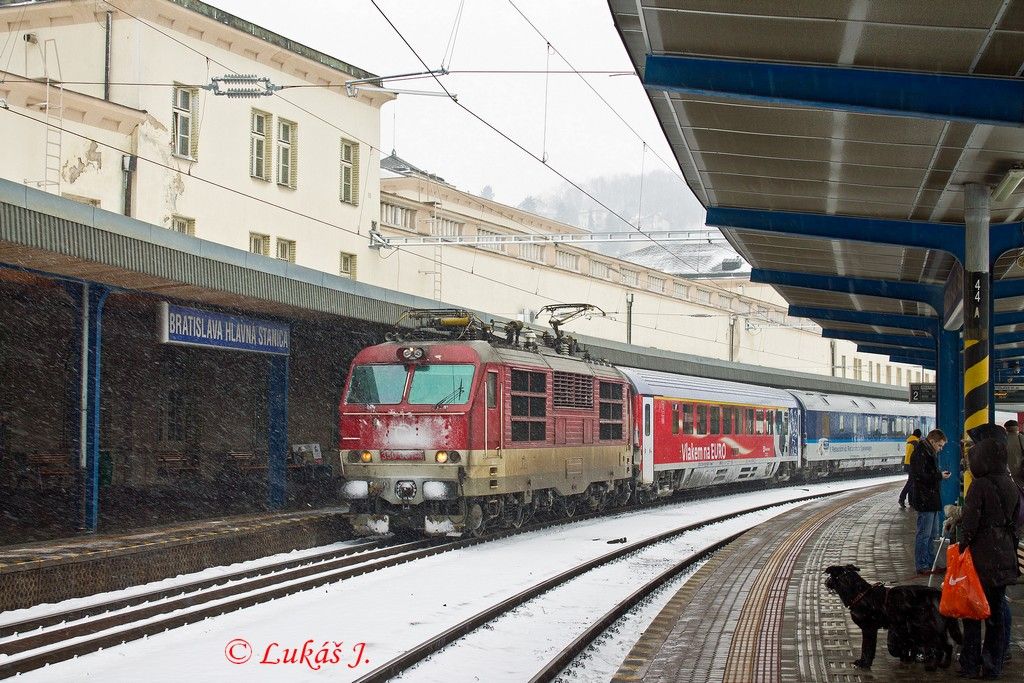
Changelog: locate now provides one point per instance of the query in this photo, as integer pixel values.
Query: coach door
(647, 441)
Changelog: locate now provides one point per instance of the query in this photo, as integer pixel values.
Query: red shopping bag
(962, 594)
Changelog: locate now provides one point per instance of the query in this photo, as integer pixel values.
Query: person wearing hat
(989, 530)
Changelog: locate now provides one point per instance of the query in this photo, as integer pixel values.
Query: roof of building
(244, 26)
(400, 166)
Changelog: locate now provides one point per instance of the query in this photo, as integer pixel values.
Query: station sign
(923, 392)
(215, 330)
(1009, 393)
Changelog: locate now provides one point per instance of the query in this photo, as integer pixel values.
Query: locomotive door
(647, 441)
(492, 419)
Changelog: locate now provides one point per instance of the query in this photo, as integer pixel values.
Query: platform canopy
(830, 141)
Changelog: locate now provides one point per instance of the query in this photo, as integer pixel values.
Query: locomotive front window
(377, 384)
(441, 384)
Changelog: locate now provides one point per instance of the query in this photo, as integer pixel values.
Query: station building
(184, 277)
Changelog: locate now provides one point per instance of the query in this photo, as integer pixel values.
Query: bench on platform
(244, 461)
(170, 463)
(48, 469)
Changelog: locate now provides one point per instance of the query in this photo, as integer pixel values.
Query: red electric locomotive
(460, 435)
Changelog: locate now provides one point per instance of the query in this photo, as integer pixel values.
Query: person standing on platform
(925, 498)
(911, 442)
(989, 530)
(1015, 451)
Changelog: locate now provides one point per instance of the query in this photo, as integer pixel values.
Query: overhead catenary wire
(469, 271)
(519, 145)
(378, 149)
(372, 147)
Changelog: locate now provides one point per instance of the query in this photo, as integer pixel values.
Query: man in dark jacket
(925, 498)
(988, 528)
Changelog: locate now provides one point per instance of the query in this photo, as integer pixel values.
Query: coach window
(702, 419)
(759, 423)
(687, 418)
(675, 418)
(716, 420)
(778, 422)
(769, 419)
(749, 421)
(727, 420)
(842, 422)
(492, 389)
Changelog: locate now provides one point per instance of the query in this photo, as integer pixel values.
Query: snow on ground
(379, 615)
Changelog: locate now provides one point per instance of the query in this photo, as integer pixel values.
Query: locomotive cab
(405, 421)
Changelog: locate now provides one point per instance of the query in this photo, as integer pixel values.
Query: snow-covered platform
(759, 610)
(56, 570)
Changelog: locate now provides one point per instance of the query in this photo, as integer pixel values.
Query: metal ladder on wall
(52, 107)
(437, 272)
(54, 136)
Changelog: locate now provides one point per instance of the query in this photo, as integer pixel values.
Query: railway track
(34, 643)
(552, 668)
(37, 642)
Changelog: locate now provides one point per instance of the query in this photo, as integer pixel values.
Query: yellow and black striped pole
(976, 308)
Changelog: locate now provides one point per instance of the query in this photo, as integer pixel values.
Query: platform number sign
(976, 320)
(922, 392)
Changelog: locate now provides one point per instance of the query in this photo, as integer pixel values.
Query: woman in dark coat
(989, 530)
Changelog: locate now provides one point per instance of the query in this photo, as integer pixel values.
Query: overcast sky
(584, 137)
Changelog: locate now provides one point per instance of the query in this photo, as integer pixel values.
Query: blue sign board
(210, 329)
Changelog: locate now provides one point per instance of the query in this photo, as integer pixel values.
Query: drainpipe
(833, 364)
(128, 163)
(629, 318)
(106, 57)
(732, 338)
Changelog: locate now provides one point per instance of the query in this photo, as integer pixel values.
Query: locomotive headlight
(441, 456)
(411, 353)
(366, 456)
(353, 456)
(453, 456)
(356, 490)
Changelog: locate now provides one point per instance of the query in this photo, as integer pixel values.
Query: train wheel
(518, 517)
(568, 506)
(475, 520)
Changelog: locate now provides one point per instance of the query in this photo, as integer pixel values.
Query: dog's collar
(864, 592)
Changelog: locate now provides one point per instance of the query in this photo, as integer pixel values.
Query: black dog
(911, 613)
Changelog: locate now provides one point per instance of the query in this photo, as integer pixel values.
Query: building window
(681, 290)
(259, 144)
(173, 416)
(629, 277)
(703, 296)
(397, 216)
(564, 259)
(529, 406)
(184, 129)
(349, 172)
(347, 265)
(610, 412)
(570, 390)
(599, 269)
(183, 225)
(286, 250)
(287, 153)
(500, 247)
(740, 306)
(446, 227)
(532, 252)
(656, 284)
(259, 243)
(899, 376)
